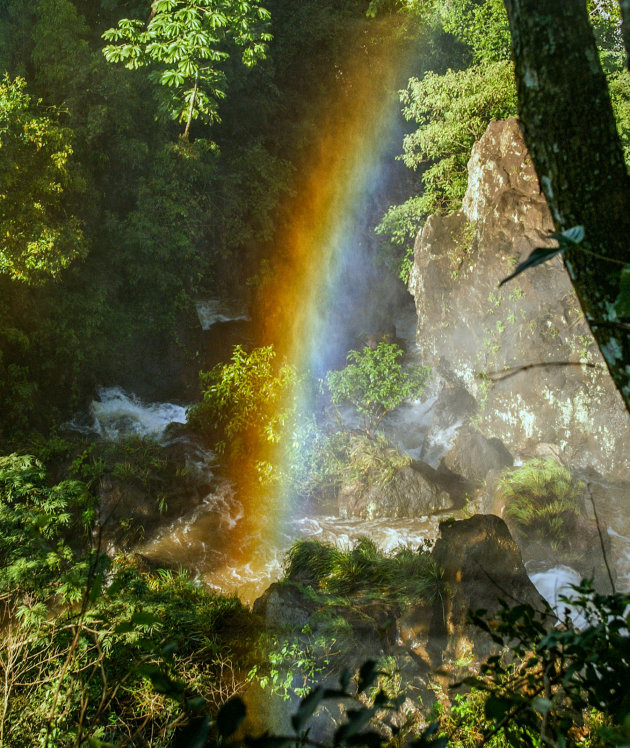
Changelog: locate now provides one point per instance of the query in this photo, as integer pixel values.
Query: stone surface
(473, 456)
(481, 565)
(409, 494)
(469, 328)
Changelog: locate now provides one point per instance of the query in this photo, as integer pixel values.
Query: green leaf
(537, 257)
(231, 716)
(193, 735)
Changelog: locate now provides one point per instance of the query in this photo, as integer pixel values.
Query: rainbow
(341, 172)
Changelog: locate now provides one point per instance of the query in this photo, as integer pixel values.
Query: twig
(601, 538)
(609, 323)
(498, 376)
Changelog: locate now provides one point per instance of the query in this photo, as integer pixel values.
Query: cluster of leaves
(452, 111)
(402, 576)
(543, 500)
(38, 179)
(186, 42)
(375, 383)
(557, 675)
(98, 651)
(250, 402)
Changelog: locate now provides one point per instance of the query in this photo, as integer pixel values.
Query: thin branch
(499, 376)
(608, 323)
(601, 538)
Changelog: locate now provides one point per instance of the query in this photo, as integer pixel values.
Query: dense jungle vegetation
(138, 173)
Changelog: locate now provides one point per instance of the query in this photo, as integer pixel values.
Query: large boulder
(481, 566)
(409, 493)
(474, 456)
(470, 328)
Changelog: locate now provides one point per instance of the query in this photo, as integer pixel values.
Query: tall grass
(543, 500)
(364, 571)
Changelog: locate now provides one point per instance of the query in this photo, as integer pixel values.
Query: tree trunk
(570, 131)
(191, 108)
(625, 28)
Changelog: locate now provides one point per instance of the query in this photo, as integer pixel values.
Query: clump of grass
(309, 560)
(364, 571)
(543, 501)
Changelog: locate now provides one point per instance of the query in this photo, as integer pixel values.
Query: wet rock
(408, 494)
(284, 606)
(469, 328)
(473, 456)
(452, 409)
(481, 565)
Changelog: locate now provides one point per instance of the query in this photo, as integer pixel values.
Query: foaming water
(117, 413)
(213, 311)
(201, 542)
(556, 583)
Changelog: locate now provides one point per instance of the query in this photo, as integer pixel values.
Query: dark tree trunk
(625, 28)
(570, 131)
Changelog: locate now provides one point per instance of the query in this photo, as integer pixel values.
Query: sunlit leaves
(38, 238)
(374, 382)
(186, 41)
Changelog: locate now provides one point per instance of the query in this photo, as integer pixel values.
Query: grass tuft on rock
(542, 500)
(406, 575)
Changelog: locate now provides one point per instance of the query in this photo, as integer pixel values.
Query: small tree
(185, 41)
(39, 236)
(249, 401)
(375, 383)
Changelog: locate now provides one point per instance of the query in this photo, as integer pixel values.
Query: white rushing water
(117, 413)
(557, 583)
(213, 311)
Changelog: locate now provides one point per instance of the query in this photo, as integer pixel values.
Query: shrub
(541, 498)
(249, 402)
(375, 383)
(405, 575)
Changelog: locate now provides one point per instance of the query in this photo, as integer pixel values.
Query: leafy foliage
(98, 651)
(542, 499)
(186, 41)
(248, 400)
(37, 526)
(560, 673)
(346, 457)
(452, 111)
(38, 239)
(403, 576)
(374, 382)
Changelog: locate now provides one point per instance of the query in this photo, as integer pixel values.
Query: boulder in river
(470, 330)
(481, 565)
(409, 493)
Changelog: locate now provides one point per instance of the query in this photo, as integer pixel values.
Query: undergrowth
(542, 500)
(402, 576)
